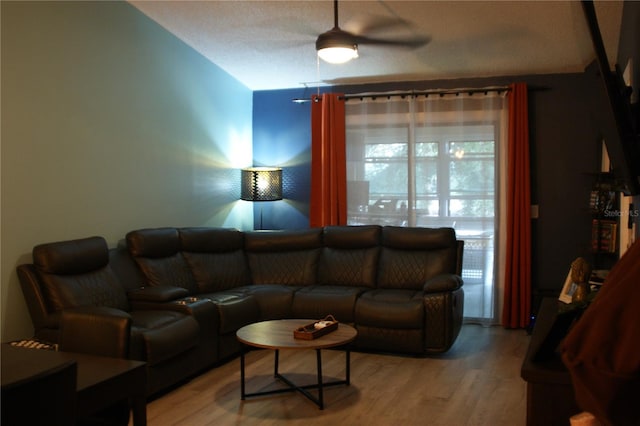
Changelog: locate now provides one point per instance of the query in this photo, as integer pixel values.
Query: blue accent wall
(282, 137)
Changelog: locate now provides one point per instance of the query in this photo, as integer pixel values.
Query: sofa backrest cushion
(410, 256)
(157, 253)
(288, 257)
(216, 258)
(77, 273)
(72, 256)
(125, 267)
(349, 256)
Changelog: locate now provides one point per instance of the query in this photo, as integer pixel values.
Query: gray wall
(110, 123)
(629, 53)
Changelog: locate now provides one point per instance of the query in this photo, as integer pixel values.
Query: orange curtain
(516, 311)
(328, 204)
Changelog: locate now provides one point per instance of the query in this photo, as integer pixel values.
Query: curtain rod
(416, 93)
(426, 93)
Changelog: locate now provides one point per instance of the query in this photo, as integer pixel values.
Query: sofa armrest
(158, 294)
(443, 282)
(186, 305)
(34, 298)
(96, 330)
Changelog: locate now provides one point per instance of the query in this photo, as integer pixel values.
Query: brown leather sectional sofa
(174, 297)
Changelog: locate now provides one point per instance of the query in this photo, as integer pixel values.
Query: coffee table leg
(320, 385)
(348, 367)
(320, 393)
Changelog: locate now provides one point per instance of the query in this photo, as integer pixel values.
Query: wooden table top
(101, 381)
(278, 334)
(18, 364)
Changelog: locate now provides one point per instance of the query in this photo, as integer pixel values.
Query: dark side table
(550, 396)
(101, 381)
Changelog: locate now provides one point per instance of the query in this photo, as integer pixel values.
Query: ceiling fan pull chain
(318, 75)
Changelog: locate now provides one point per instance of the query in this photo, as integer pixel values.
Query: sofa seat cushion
(386, 308)
(274, 300)
(235, 309)
(316, 302)
(158, 336)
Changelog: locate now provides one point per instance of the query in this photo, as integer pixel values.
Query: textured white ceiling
(271, 44)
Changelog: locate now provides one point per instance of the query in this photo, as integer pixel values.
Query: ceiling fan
(338, 46)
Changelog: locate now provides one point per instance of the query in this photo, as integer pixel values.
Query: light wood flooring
(476, 383)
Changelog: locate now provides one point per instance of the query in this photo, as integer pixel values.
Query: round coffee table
(278, 334)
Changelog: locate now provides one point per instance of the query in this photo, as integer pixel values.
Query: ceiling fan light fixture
(336, 46)
(338, 54)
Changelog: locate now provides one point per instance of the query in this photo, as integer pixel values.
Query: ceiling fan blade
(374, 24)
(411, 43)
(347, 40)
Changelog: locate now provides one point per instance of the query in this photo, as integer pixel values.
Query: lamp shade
(261, 184)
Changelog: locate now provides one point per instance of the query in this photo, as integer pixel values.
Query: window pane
(385, 150)
(386, 178)
(471, 177)
(475, 148)
(471, 208)
(427, 208)
(426, 178)
(427, 149)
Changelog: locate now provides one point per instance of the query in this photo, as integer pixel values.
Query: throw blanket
(602, 350)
